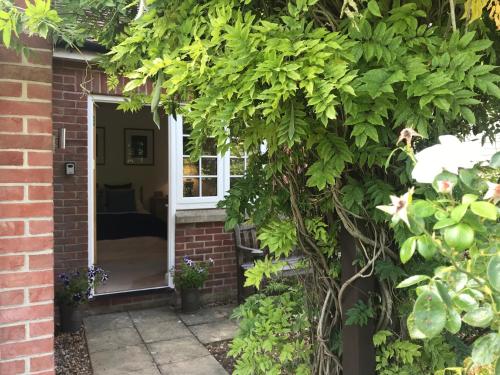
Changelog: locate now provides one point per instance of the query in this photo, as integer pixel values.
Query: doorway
(129, 189)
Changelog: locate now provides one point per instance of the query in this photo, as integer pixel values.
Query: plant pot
(71, 318)
(190, 299)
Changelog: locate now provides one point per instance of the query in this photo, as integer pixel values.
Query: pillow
(120, 200)
(116, 187)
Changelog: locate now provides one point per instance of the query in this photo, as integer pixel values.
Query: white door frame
(91, 100)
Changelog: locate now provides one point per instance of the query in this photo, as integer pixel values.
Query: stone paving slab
(157, 341)
(177, 350)
(207, 315)
(200, 366)
(97, 323)
(159, 314)
(151, 331)
(128, 360)
(214, 331)
(111, 340)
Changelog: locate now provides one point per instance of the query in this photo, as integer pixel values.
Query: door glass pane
(209, 187)
(209, 147)
(237, 166)
(185, 148)
(209, 166)
(191, 187)
(190, 168)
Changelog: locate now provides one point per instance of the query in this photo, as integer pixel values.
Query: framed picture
(139, 147)
(100, 146)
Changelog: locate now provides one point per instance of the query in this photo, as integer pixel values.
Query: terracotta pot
(71, 318)
(190, 299)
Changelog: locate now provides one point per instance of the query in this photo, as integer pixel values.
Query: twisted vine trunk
(330, 298)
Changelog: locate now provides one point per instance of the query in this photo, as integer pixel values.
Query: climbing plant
(328, 96)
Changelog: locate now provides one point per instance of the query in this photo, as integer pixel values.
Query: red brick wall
(26, 211)
(202, 241)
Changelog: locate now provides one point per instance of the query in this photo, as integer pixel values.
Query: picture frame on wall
(100, 146)
(139, 146)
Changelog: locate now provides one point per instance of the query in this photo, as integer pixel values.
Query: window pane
(209, 187)
(232, 181)
(209, 147)
(191, 187)
(186, 129)
(237, 150)
(209, 166)
(237, 166)
(190, 168)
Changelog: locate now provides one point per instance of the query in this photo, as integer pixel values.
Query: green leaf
(408, 249)
(454, 322)
(458, 212)
(414, 332)
(373, 8)
(422, 209)
(468, 115)
(486, 348)
(484, 209)
(446, 222)
(465, 302)
(495, 160)
(469, 198)
(443, 293)
(412, 280)
(493, 272)
(480, 317)
(430, 314)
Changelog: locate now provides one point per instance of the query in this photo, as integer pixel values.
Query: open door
(129, 210)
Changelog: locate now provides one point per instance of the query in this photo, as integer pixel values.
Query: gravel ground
(72, 357)
(219, 351)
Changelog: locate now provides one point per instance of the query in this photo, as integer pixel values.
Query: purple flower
(188, 261)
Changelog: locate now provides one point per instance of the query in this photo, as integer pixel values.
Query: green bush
(273, 335)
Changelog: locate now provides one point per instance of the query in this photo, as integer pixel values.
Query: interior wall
(152, 178)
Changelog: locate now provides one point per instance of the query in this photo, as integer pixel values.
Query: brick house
(53, 107)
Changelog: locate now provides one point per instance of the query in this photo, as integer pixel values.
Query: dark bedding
(113, 226)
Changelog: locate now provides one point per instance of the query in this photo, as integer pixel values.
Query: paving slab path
(157, 341)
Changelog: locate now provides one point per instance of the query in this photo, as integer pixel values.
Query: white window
(203, 183)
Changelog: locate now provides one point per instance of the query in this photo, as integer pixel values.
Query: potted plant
(74, 290)
(189, 277)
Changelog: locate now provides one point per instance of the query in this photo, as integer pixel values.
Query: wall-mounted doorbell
(69, 168)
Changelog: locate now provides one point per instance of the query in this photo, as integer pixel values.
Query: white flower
(449, 155)
(399, 207)
(445, 186)
(493, 192)
(407, 134)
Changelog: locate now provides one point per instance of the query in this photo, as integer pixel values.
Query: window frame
(223, 174)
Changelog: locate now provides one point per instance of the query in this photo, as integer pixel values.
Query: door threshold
(133, 291)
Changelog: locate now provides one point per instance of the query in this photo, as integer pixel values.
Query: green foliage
(191, 274)
(38, 18)
(359, 314)
(463, 231)
(327, 97)
(279, 237)
(403, 357)
(272, 334)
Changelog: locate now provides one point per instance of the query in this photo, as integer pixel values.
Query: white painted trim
(63, 54)
(90, 180)
(173, 125)
(91, 100)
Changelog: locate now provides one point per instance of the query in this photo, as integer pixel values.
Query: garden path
(157, 341)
